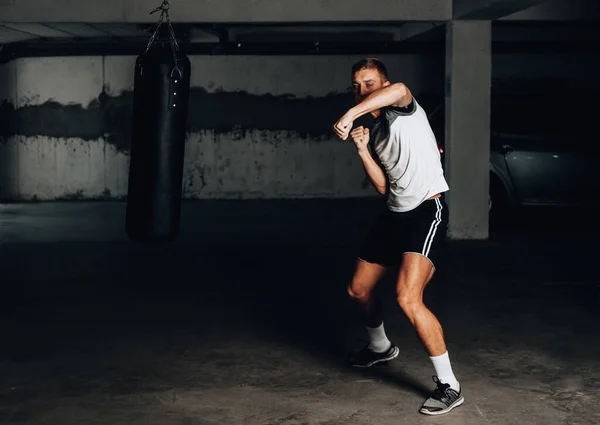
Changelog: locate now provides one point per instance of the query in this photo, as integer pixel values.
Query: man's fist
(360, 135)
(342, 126)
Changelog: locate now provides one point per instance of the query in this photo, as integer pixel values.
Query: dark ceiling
(34, 39)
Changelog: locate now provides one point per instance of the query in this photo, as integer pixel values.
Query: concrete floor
(244, 320)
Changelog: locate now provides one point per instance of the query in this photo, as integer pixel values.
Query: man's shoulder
(396, 111)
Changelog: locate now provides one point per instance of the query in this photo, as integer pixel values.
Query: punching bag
(160, 108)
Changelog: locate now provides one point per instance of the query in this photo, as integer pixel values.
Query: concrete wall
(259, 127)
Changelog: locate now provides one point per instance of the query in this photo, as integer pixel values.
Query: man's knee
(409, 303)
(357, 292)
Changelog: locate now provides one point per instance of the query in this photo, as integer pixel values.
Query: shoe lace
(441, 390)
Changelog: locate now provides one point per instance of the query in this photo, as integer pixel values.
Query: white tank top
(406, 147)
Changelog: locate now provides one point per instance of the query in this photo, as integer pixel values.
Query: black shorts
(422, 231)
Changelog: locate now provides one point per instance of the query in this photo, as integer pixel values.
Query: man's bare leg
(415, 273)
(361, 290)
(365, 279)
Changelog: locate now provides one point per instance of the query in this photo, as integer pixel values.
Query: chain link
(164, 8)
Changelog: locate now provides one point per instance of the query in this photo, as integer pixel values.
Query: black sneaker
(367, 357)
(443, 399)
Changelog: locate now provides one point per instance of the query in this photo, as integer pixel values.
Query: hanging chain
(164, 8)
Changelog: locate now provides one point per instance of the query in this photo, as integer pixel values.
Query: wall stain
(226, 112)
(76, 196)
(221, 112)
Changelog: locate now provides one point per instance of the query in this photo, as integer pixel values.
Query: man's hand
(360, 136)
(343, 125)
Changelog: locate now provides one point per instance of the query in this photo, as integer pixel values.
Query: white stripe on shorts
(433, 228)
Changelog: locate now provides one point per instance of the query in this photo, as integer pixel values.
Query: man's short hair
(370, 63)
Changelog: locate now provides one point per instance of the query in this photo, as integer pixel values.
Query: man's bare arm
(397, 95)
(361, 136)
(374, 171)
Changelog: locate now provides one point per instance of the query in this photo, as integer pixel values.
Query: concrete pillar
(468, 84)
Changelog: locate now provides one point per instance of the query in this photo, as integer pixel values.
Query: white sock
(443, 370)
(379, 341)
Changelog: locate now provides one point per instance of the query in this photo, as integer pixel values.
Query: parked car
(542, 153)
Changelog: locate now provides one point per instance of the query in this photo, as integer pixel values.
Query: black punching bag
(160, 108)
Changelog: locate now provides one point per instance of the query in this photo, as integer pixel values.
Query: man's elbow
(402, 95)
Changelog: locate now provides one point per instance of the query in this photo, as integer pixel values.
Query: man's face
(365, 82)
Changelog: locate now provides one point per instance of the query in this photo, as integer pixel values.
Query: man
(408, 234)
